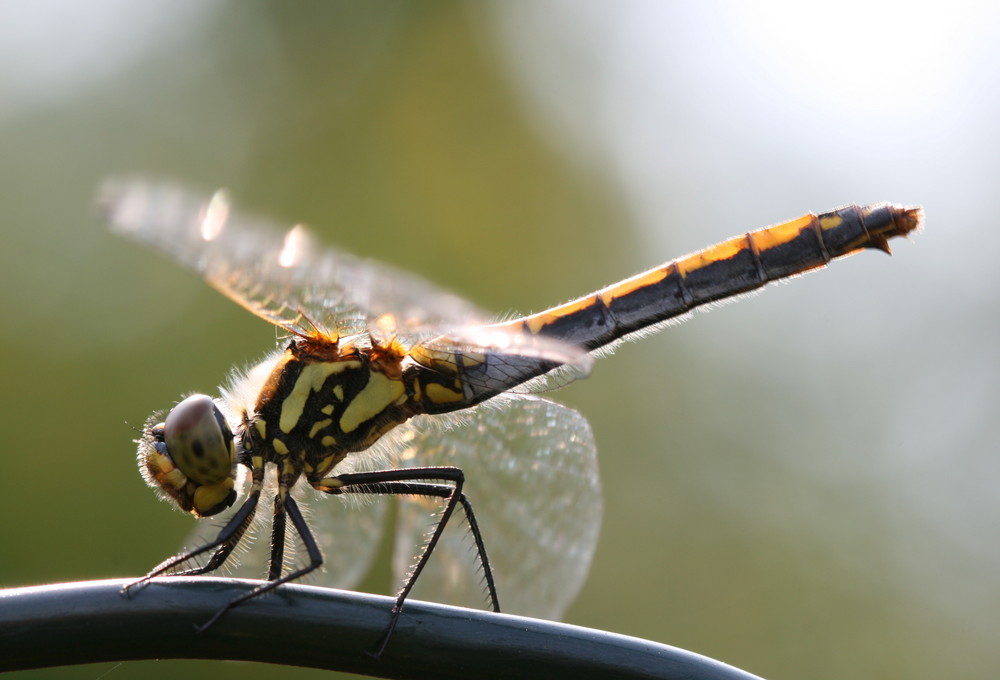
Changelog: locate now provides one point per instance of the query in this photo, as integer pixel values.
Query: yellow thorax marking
(310, 380)
(377, 395)
(319, 425)
(324, 465)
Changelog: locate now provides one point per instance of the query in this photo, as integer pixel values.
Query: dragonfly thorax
(320, 403)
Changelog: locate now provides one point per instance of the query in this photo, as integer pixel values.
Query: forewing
(531, 475)
(282, 276)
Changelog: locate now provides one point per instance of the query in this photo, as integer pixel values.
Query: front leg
(288, 507)
(223, 545)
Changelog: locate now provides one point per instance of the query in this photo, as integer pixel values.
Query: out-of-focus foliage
(800, 484)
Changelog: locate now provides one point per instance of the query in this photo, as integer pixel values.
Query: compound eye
(198, 440)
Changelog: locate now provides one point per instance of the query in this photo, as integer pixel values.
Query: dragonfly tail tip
(912, 219)
(880, 243)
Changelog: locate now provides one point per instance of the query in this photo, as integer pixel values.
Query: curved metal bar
(87, 622)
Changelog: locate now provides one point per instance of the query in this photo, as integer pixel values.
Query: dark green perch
(90, 622)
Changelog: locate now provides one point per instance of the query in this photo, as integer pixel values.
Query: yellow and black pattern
(736, 266)
(375, 352)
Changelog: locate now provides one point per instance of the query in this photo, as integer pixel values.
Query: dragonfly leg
(223, 545)
(290, 508)
(278, 525)
(414, 481)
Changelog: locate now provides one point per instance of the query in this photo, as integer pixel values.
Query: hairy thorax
(321, 402)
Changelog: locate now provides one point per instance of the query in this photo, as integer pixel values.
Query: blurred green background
(802, 484)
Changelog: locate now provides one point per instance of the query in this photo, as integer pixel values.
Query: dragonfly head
(189, 458)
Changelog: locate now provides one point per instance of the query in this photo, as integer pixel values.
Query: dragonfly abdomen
(741, 264)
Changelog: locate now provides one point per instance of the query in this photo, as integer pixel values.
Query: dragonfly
(385, 387)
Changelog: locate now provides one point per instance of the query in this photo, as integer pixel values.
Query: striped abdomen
(741, 264)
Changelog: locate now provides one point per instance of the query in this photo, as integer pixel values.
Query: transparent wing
(530, 464)
(531, 476)
(287, 279)
(281, 276)
(498, 360)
